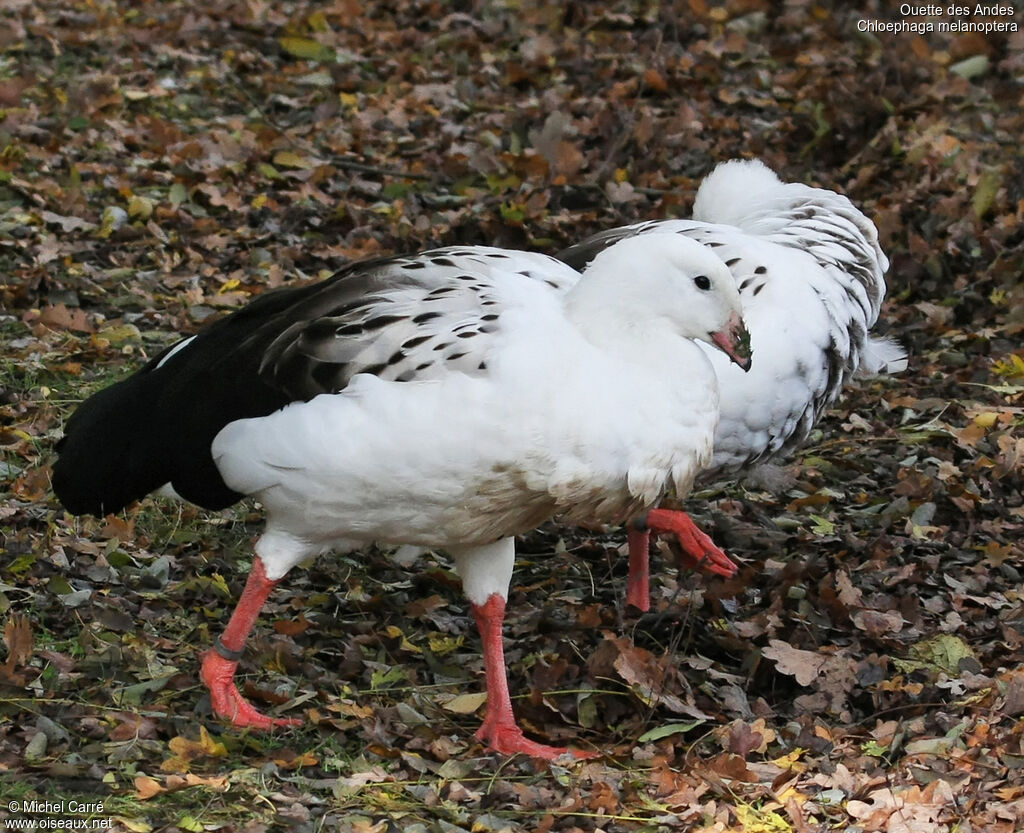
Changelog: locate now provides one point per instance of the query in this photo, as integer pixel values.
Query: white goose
(451, 399)
(810, 274)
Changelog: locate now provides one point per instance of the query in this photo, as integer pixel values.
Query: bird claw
(227, 701)
(510, 740)
(698, 550)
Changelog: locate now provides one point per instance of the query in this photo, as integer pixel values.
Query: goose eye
(702, 282)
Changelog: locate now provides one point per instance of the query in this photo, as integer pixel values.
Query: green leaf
(943, 652)
(660, 732)
(822, 526)
(177, 194)
(971, 67)
(59, 586)
(874, 749)
(268, 170)
(383, 677)
(24, 563)
(513, 212)
(394, 190)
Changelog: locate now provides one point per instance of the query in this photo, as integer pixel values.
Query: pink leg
(499, 730)
(638, 584)
(218, 670)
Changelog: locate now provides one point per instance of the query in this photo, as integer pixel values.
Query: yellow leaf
(174, 764)
(790, 760)
(350, 709)
(441, 644)
(190, 750)
(466, 703)
(318, 22)
(753, 820)
(17, 432)
(141, 207)
(135, 825)
(214, 748)
(296, 761)
(790, 793)
(986, 191)
(118, 334)
(290, 159)
(942, 652)
(986, 419)
(396, 633)
(306, 48)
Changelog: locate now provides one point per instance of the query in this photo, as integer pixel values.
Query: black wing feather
(288, 345)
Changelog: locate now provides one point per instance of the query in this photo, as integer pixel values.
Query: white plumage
(465, 456)
(811, 278)
(452, 399)
(810, 274)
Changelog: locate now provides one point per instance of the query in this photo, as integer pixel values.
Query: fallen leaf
(465, 703)
(804, 665)
(146, 787)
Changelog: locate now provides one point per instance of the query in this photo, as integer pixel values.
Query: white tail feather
(882, 355)
(733, 190)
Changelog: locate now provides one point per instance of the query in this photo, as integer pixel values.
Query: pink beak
(734, 341)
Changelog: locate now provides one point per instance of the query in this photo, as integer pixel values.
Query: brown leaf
(421, 607)
(133, 726)
(1013, 705)
(146, 787)
(638, 666)
(730, 766)
(655, 80)
(123, 529)
(603, 799)
(19, 640)
(292, 627)
(743, 740)
(290, 759)
(33, 485)
(848, 594)
(878, 622)
(59, 317)
(804, 665)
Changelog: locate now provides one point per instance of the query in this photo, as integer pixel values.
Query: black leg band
(224, 651)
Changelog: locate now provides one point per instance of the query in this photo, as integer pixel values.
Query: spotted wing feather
(420, 317)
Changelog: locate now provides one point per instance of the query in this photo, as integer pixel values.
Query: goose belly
(460, 461)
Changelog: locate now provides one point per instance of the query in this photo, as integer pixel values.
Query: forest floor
(163, 162)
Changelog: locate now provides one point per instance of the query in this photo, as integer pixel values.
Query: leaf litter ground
(162, 163)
